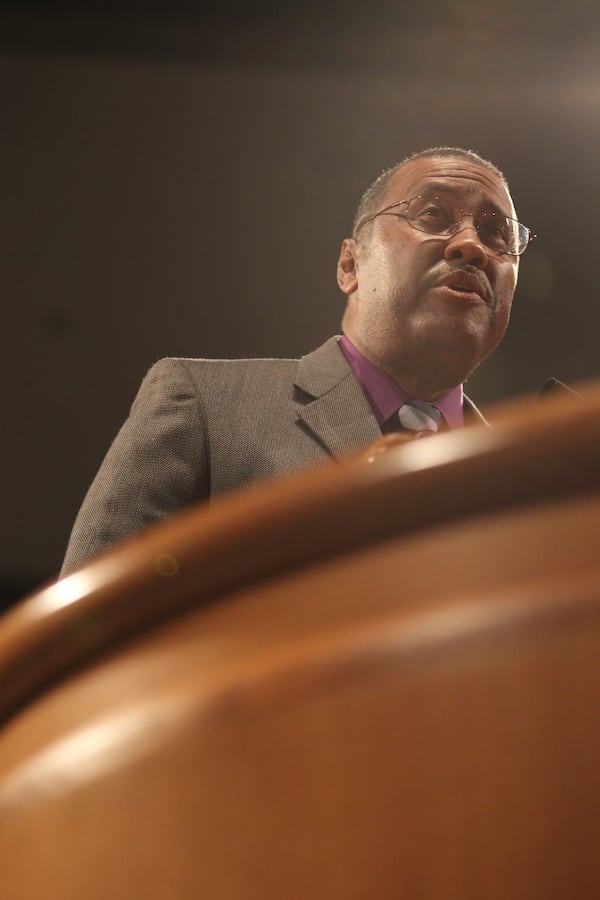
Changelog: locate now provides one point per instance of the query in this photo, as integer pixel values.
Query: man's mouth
(464, 285)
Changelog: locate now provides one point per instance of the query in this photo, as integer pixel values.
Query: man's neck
(386, 396)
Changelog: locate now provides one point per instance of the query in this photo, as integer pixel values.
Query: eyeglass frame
(385, 212)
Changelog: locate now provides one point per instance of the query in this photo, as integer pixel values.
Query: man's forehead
(465, 178)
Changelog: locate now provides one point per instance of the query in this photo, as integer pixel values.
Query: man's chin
(459, 351)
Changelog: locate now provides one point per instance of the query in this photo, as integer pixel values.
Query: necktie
(420, 417)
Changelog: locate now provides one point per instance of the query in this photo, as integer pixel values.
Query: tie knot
(417, 416)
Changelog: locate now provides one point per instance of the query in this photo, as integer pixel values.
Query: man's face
(429, 305)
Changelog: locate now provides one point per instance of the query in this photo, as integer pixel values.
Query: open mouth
(463, 284)
(465, 290)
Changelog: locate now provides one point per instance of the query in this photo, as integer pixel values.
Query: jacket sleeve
(157, 465)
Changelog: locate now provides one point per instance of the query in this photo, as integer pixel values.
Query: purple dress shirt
(386, 397)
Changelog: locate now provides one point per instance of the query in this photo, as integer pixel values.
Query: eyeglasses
(432, 215)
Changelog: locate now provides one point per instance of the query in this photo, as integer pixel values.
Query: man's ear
(347, 267)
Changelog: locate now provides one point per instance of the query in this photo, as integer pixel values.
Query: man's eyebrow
(440, 187)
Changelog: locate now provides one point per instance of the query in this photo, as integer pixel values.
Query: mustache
(443, 271)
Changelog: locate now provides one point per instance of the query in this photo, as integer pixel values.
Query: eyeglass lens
(434, 215)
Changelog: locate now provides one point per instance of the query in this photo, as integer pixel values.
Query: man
(429, 274)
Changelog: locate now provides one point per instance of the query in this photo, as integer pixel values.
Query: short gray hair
(372, 198)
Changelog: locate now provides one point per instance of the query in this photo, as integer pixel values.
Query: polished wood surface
(396, 694)
(535, 451)
(365, 727)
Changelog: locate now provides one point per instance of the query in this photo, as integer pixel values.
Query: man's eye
(433, 216)
(432, 211)
(494, 228)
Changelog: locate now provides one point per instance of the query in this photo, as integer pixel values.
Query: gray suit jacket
(200, 427)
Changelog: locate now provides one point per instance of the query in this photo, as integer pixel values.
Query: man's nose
(466, 245)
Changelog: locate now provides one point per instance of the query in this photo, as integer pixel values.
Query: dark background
(177, 179)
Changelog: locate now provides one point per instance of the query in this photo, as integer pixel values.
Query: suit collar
(332, 404)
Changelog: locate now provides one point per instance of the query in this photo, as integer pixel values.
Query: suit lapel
(332, 405)
(331, 402)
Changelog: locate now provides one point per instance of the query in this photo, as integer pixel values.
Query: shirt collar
(386, 397)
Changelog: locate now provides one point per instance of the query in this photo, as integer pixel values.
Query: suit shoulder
(199, 369)
(220, 380)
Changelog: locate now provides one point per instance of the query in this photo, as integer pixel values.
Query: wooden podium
(377, 679)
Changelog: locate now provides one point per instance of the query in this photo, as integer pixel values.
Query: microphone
(553, 385)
